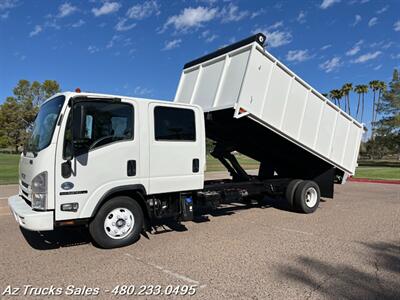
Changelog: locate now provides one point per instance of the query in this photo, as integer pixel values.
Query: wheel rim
(119, 223)
(311, 197)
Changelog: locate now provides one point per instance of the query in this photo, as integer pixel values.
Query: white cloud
(328, 3)
(144, 10)
(396, 26)
(78, 24)
(331, 64)
(278, 38)
(357, 19)
(301, 18)
(355, 49)
(298, 55)
(366, 57)
(395, 56)
(275, 38)
(191, 18)
(93, 49)
(106, 8)
(373, 21)
(275, 25)
(142, 91)
(231, 13)
(8, 4)
(326, 47)
(208, 36)
(20, 56)
(36, 30)
(122, 26)
(377, 67)
(5, 15)
(257, 13)
(111, 43)
(66, 9)
(382, 10)
(172, 44)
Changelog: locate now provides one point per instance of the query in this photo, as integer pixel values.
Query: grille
(27, 201)
(24, 184)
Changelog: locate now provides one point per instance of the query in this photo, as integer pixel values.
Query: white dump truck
(116, 164)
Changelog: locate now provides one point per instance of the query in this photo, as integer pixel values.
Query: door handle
(195, 165)
(131, 168)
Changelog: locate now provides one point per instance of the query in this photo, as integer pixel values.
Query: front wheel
(118, 223)
(307, 197)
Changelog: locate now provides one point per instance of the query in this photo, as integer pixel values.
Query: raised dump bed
(257, 106)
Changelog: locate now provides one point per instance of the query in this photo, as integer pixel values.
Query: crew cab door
(111, 158)
(177, 148)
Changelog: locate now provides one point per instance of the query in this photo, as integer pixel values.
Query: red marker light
(77, 90)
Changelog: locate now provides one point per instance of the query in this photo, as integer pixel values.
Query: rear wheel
(307, 196)
(118, 223)
(290, 191)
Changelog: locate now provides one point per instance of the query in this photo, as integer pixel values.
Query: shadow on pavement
(346, 281)
(75, 236)
(60, 237)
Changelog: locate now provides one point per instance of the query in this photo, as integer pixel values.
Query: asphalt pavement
(349, 248)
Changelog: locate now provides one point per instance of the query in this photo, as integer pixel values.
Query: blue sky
(138, 48)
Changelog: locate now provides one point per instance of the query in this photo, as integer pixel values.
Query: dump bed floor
(264, 145)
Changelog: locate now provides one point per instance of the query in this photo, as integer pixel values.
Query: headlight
(39, 191)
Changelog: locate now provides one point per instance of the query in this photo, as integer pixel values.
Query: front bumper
(28, 218)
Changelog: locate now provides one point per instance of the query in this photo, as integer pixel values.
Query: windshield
(44, 125)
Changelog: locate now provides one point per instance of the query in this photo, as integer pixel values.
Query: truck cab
(86, 149)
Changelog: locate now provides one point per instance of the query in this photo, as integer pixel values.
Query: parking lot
(349, 248)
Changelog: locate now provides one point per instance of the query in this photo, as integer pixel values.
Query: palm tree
(374, 85)
(336, 95)
(364, 90)
(358, 90)
(346, 88)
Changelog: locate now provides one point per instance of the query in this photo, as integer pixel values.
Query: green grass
(8, 168)
(391, 173)
(247, 163)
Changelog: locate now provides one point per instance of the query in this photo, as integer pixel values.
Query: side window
(105, 123)
(174, 124)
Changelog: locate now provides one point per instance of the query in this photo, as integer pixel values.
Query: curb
(365, 180)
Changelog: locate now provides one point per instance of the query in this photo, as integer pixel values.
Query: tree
(17, 113)
(346, 89)
(388, 127)
(358, 90)
(361, 90)
(12, 126)
(374, 86)
(382, 87)
(336, 95)
(364, 88)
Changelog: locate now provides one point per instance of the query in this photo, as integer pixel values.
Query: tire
(290, 191)
(307, 197)
(118, 223)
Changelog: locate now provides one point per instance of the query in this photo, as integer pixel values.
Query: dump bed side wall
(275, 95)
(252, 80)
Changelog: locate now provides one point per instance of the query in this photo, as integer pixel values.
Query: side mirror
(66, 169)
